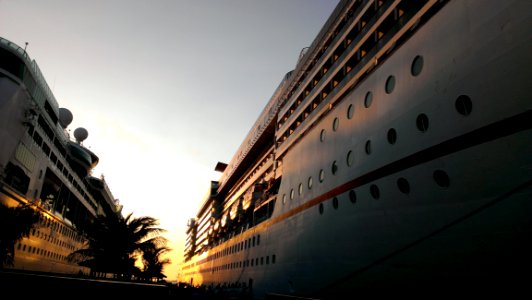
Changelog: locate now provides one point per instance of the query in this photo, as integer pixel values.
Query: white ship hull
(41, 168)
(447, 202)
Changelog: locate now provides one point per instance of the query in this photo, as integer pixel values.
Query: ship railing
(35, 70)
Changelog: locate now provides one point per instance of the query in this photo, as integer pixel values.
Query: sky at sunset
(165, 88)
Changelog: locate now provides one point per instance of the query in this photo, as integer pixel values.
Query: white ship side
(397, 153)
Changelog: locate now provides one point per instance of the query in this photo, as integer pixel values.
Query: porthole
(463, 105)
(392, 136)
(322, 175)
(374, 191)
(309, 182)
(350, 158)
(335, 124)
(322, 135)
(422, 122)
(441, 178)
(368, 99)
(390, 84)
(350, 111)
(335, 203)
(352, 196)
(417, 65)
(403, 185)
(334, 167)
(292, 194)
(284, 198)
(321, 208)
(300, 189)
(368, 147)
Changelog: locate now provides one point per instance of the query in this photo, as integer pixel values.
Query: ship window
(417, 65)
(350, 111)
(252, 262)
(321, 208)
(422, 122)
(273, 258)
(284, 198)
(300, 190)
(403, 185)
(310, 182)
(352, 196)
(322, 135)
(392, 136)
(441, 178)
(256, 261)
(268, 260)
(258, 239)
(374, 191)
(463, 105)
(349, 159)
(368, 147)
(334, 167)
(335, 203)
(292, 193)
(335, 124)
(261, 260)
(253, 241)
(322, 175)
(390, 84)
(368, 99)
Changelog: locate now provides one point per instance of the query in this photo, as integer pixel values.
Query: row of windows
(248, 243)
(42, 252)
(440, 178)
(52, 239)
(258, 261)
(55, 226)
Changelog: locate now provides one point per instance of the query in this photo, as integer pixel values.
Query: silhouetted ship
(41, 166)
(397, 153)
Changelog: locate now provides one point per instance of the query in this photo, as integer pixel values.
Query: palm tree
(154, 263)
(15, 224)
(114, 243)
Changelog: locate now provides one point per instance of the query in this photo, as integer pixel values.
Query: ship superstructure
(396, 153)
(42, 166)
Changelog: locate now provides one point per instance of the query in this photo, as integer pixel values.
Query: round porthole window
(350, 111)
(368, 99)
(417, 65)
(390, 84)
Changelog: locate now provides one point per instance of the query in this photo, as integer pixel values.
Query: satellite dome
(81, 134)
(65, 117)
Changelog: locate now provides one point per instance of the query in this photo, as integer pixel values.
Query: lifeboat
(236, 209)
(79, 155)
(225, 219)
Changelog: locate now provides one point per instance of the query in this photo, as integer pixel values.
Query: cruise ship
(43, 167)
(397, 153)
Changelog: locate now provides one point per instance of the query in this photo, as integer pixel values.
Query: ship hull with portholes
(41, 168)
(414, 171)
